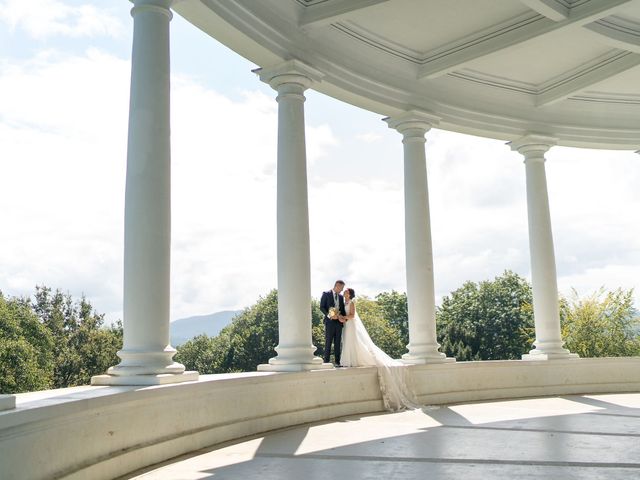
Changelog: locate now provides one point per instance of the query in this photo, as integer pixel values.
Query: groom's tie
(335, 299)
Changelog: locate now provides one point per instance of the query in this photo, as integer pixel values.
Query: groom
(332, 325)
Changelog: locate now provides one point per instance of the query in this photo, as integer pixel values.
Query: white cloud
(63, 176)
(65, 153)
(223, 199)
(224, 194)
(63, 127)
(611, 277)
(319, 140)
(369, 137)
(594, 207)
(47, 18)
(357, 234)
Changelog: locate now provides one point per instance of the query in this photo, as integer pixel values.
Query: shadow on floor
(569, 437)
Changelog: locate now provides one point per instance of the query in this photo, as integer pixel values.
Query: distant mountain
(186, 328)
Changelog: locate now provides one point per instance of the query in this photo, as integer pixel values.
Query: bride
(359, 350)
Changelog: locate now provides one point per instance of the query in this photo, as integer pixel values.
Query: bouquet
(333, 312)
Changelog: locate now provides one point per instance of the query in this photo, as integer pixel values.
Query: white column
(548, 344)
(295, 350)
(147, 357)
(7, 402)
(423, 344)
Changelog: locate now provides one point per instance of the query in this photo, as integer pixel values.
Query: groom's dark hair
(338, 282)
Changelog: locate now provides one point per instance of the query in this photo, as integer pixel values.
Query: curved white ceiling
(499, 68)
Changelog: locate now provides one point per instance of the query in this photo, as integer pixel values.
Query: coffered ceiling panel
(427, 25)
(630, 11)
(531, 62)
(623, 85)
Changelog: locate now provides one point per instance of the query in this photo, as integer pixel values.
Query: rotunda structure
(533, 73)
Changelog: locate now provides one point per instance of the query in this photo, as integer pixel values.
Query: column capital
(157, 6)
(412, 123)
(533, 145)
(289, 72)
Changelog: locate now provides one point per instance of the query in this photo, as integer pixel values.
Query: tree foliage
(252, 336)
(246, 342)
(53, 341)
(489, 320)
(203, 354)
(26, 349)
(604, 324)
(394, 309)
(82, 347)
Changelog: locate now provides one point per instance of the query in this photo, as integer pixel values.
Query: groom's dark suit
(332, 328)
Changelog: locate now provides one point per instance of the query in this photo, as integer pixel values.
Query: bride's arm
(351, 313)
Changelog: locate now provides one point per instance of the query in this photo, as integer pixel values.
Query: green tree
(317, 328)
(490, 320)
(251, 337)
(26, 349)
(394, 309)
(83, 346)
(204, 354)
(249, 340)
(604, 324)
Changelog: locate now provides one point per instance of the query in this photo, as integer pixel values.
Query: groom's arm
(324, 304)
(342, 310)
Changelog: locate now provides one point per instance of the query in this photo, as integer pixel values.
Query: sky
(64, 93)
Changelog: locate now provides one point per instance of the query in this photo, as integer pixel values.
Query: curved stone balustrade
(105, 432)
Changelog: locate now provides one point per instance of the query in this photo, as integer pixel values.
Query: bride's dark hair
(352, 292)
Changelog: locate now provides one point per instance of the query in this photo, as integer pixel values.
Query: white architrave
(549, 343)
(147, 357)
(295, 350)
(423, 343)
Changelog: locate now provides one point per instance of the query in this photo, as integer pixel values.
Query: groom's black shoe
(338, 365)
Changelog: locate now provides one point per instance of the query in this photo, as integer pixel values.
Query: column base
(423, 353)
(279, 365)
(139, 367)
(533, 355)
(7, 402)
(146, 362)
(294, 358)
(154, 379)
(549, 350)
(410, 359)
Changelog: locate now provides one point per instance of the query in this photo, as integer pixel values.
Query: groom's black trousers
(332, 334)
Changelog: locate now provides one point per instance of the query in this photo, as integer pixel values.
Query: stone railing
(105, 432)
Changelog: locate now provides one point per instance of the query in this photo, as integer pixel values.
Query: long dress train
(358, 350)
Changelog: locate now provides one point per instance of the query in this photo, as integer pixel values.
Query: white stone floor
(568, 437)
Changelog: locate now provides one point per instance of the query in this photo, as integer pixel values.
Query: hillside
(186, 328)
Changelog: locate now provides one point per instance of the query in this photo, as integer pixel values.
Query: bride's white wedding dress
(358, 350)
